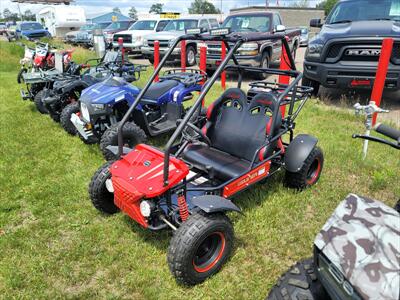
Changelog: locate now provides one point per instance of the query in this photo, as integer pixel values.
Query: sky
(99, 6)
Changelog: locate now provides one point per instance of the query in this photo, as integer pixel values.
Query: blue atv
(104, 104)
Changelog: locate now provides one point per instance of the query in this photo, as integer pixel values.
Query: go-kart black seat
(236, 129)
(157, 89)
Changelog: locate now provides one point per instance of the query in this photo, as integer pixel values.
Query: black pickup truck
(345, 53)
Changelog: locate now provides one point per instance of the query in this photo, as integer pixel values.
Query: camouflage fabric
(362, 239)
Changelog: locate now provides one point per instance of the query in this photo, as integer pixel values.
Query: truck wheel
(299, 282)
(101, 198)
(311, 83)
(20, 78)
(65, 118)
(199, 247)
(39, 103)
(132, 134)
(265, 60)
(190, 56)
(309, 174)
(294, 52)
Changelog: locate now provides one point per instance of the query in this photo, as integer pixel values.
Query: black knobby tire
(188, 259)
(65, 117)
(131, 132)
(311, 83)
(20, 78)
(55, 116)
(190, 50)
(299, 282)
(39, 103)
(310, 172)
(101, 198)
(265, 62)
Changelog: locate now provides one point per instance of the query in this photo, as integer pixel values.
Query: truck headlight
(314, 51)
(248, 49)
(98, 107)
(171, 43)
(145, 42)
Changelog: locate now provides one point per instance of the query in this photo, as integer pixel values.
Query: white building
(61, 19)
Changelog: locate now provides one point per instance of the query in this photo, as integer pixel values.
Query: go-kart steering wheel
(190, 137)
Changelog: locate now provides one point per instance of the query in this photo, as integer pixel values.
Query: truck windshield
(180, 25)
(31, 26)
(256, 23)
(362, 10)
(143, 25)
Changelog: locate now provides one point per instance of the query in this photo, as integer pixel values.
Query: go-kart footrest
(162, 127)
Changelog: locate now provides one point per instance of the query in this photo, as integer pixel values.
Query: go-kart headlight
(98, 107)
(85, 112)
(314, 51)
(248, 49)
(145, 208)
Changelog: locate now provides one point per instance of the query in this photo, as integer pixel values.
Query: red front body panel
(139, 174)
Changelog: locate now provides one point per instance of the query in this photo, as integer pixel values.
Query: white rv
(61, 19)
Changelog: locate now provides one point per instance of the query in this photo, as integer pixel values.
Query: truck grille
(126, 38)
(337, 52)
(163, 43)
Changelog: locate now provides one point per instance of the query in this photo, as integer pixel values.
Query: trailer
(61, 19)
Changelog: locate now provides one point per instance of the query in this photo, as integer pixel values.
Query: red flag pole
(156, 57)
(121, 47)
(380, 78)
(183, 55)
(203, 63)
(284, 79)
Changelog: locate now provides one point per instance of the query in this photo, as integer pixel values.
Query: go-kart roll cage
(232, 43)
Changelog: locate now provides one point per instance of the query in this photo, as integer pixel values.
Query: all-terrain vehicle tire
(311, 83)
(131, 132)
(65, 117)
(20, 78)
(101, 198)
(190, 56)
(39, 103)
(54, 116)
(309, 174)
(200, 247)
(299, 282)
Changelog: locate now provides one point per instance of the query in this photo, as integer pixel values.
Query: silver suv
(172, 31)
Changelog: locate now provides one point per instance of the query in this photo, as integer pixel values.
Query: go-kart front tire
(39, 103)
(299, 282)
(309, 174)
(101, 198)
(65, 118)
(131, 133)
(199, 247)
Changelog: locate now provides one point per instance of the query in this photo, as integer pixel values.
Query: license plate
(360, 82)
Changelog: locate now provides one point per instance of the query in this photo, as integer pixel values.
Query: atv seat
(236, 129)
(157, 89)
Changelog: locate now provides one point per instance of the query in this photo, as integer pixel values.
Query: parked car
(173, 30)
(133, 37)
(304, 37)
(85, 34)
(115, 27)
(260, 53)
(346, 51)
(30, 31)
(10, 32)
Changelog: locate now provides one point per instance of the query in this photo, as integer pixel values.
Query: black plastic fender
(77, 84)
(298, 151)
(213, 204)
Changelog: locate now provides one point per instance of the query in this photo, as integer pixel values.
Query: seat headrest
(264, 100)
(236, 95)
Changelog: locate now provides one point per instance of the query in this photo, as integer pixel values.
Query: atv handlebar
(388, 131)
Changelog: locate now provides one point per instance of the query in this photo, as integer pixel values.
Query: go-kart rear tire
(65, 118)
(189, 259)
(39, 103)
(101, 198)
(309, 174)
(299, 282)
(132, 134)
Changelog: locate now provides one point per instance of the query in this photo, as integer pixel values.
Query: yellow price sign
(169, 15)
(114, 18)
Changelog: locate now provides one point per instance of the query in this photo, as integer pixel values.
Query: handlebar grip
(388, 131)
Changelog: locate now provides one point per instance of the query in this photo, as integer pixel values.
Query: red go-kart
(188, 185)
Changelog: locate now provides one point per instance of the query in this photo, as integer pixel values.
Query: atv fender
(298, 151)
(77, 84)
(213, 204)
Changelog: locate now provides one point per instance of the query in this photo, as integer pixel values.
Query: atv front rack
(187, 76)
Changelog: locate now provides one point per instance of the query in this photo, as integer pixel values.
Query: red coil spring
(183, 209)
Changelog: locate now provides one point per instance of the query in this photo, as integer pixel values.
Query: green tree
(29, 16)
(203, 7)
(301, 3)
(132, 13)
(6, 13)
(116, 10)
(156, 8)
(327, 5)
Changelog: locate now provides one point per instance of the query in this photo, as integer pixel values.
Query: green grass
(54, 244)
